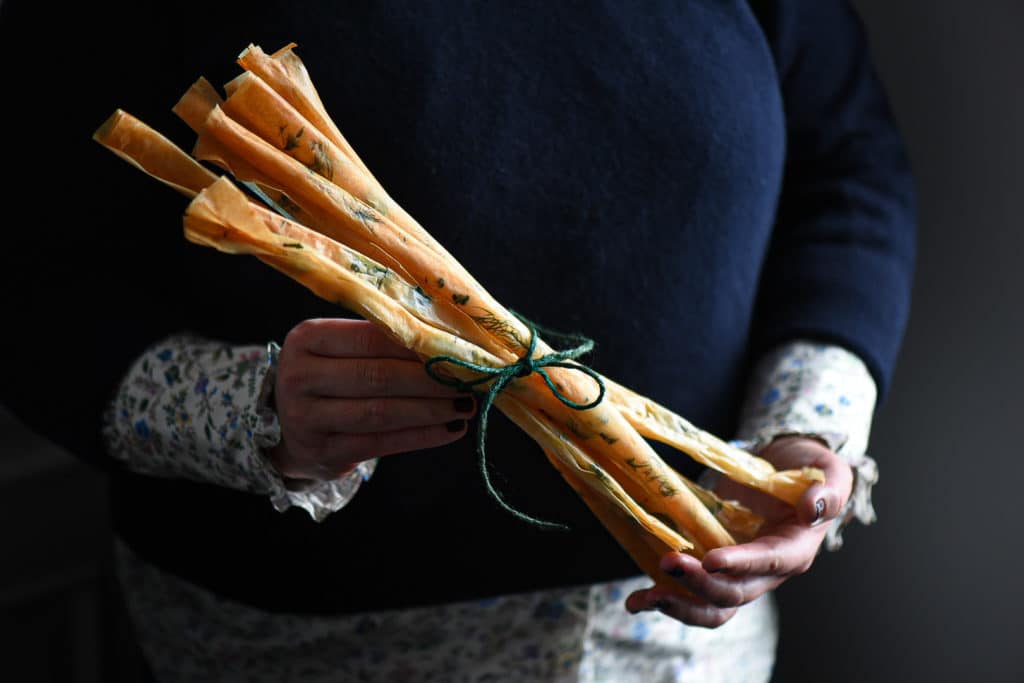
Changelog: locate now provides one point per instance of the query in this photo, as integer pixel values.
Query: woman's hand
(345, 393)
(786, 546)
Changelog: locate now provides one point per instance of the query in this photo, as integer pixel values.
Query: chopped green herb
(365, 215)
(577, 429)
(664, 488)
(364, 266)
(492, 323)
(460, 299)
(286, 203)
(321, 162)
(290, 141)
(440, 283)
(292, 245)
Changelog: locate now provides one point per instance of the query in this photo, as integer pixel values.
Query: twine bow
(500, 378)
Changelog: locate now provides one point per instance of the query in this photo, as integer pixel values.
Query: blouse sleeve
(199, 409)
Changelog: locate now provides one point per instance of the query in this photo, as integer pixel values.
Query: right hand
(345, 393)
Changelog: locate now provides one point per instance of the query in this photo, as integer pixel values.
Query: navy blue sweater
(688, 184)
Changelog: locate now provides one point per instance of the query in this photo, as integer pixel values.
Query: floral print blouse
(195, 408)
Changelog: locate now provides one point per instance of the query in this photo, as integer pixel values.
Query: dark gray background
(929, 593)
(932, 592)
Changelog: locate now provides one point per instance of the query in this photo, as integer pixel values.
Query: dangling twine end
(501, 377)
(522, 516)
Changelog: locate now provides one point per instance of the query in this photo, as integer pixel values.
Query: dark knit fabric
(686, 183)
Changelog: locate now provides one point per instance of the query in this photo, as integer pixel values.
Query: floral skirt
(579, 635)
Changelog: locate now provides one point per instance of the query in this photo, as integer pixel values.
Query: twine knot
(500, 377)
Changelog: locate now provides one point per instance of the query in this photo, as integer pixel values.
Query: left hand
(732, 576)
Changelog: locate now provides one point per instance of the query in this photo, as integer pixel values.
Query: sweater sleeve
(840, 265)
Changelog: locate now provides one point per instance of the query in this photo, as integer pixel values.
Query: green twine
(502, 376)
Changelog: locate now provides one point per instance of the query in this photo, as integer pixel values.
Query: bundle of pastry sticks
(313, 210)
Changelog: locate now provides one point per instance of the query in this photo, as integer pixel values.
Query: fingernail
(464, 404)
(819, 509)
(455, 426)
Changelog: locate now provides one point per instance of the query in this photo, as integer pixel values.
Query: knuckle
(374, 413)
(732, 598)
(774, 563)
(300, 335)
(720, 617)
(704, 617)
(363, 339)
(376, 376)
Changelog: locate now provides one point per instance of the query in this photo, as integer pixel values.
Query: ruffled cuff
(318, 498)
(824, 392)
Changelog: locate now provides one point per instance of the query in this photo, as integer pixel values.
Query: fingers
(360, 447)
(344, 338)
(788, 550)
(692, 612)
(362, 377)
(718, 588)
(345, 392)
(821, 502)
(336, 455)
(372, 415)
(716, 597)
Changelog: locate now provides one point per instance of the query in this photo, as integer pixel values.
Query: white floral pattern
(581, 634)
(198, 409)
(576, 635)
